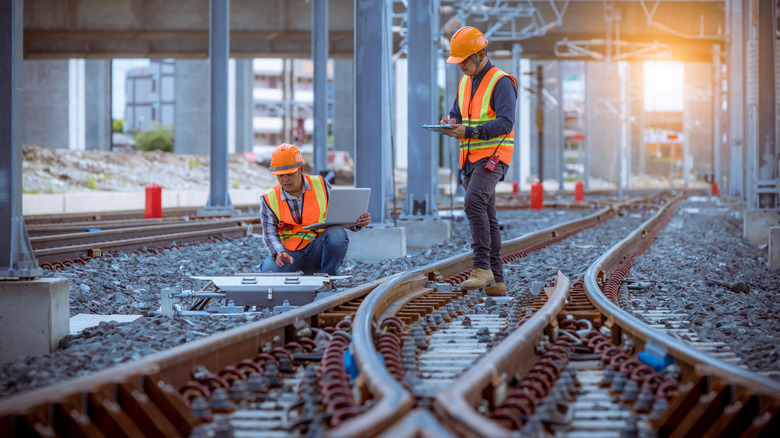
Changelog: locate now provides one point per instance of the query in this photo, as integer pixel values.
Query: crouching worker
(297, 201)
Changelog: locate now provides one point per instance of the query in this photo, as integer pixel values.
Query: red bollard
(714, 188)
(579, 191)
(537, 196)
(515, 187)
(153, 201)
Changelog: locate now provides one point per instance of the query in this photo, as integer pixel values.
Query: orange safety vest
(315, 206)
(478, 112)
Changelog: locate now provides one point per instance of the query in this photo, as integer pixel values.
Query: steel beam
(319, 45)
(371, 76)
(16, 255)
(219, 49)
(422, 95)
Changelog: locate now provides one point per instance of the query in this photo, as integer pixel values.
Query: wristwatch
(475, 132)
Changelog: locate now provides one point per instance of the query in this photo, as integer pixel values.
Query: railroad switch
(269, 292)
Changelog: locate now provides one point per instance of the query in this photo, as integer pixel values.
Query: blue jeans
(323, 255)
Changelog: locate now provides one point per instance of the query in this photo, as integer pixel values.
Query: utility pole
(540, 120)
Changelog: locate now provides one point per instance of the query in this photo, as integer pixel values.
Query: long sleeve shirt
(271, 223)
(502, 101)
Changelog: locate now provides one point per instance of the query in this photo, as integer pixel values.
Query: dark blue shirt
(502, 101)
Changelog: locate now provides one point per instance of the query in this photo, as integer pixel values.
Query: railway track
(415, 355)
(62, 244)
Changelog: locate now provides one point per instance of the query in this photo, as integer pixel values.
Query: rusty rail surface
(514, 355)
(393, 401)
(705, 394)
(52, 250)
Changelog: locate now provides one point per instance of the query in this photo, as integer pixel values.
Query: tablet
(439, 128)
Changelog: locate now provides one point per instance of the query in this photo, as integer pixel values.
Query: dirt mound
(49, 170)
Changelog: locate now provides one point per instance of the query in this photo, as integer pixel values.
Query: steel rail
(49, 228)
(174, 365)
(54, 255)
(393, 400)
(140, 230)
(620, 321)
(514, 355)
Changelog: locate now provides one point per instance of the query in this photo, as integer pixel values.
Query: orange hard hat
(285, 159)
(466, 42)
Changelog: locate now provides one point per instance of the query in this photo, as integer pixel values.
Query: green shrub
(118, 125)
(158, 139)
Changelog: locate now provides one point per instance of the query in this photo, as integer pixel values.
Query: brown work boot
(497, 290)
(478, 279)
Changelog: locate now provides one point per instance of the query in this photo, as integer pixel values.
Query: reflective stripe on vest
(478, 112)
(292, 234)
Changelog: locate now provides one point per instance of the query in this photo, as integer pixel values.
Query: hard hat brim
(455, 60)
(285, 171)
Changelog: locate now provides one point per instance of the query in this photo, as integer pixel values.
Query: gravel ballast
(701, 244)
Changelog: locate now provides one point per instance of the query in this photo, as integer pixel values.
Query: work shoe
(497, 290)
(478, 279)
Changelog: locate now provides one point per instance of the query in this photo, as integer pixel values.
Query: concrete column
(602, 117)
(372, 85)
(245, 106)
(697, 118)
(717, 130)
(524, 121)
(46, 97)
(514, 169)
(736, 60)
(191, 114)
(766, 178)
(34, 316)
(343, 95)
(97, 96)
(422, 93)
(561, 134)
(319, 48)
(774, 248)
(16, 256)
(587, 116)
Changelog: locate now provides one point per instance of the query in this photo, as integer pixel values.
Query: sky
(119, 67)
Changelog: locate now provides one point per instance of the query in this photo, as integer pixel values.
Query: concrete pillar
(697, 119)
(766, 177)
(343, 95)
(560, 132)
(372, 72)
(45, 108)
(774, 248)
(34, 316)
(244, 106)
(191, 115)
(97, 96)
(602, 115)
(736, 60)
(756, 225)
(422, 93)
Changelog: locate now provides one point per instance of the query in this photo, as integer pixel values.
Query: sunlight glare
(664, 85)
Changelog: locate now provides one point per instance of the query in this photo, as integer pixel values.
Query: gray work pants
(480, 208)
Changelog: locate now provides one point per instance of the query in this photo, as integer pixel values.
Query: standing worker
(297, 201)
(483, 119)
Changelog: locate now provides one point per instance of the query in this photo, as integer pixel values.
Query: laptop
(345, 206)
